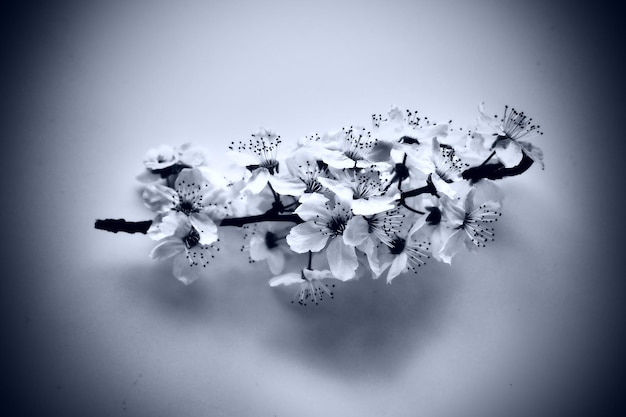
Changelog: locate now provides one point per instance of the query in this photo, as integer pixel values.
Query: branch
(265, 217)
(121, 225)
(497, 171)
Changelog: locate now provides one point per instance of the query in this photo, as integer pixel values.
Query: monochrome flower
(352, 147)
(406, 128)
(468, 224)
(166, 162)
(190, 256)
(324, 221)
(311, 289)
(193, 199)
(378, 228)
(444, 169)
(305, 167)
(259, 155)
(161, 157)
(509, 130)
(404, 253)
(267, 243)
(363, 189)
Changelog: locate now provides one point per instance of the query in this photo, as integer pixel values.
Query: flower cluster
(359, 201)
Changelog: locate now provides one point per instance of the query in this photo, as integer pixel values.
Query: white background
(530, 326)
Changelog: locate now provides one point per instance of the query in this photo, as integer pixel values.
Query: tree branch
(121, 225)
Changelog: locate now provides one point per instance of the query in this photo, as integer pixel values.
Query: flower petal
(534, 152)
(258, 248)
(167, 248)
(189, 177)
(276, 261)
(159, 198)
(452, 245)
(258, 181)
(380, 152)
(397, 266)
(286, 186)
(509, 152)
(166, 225)
(312, 206)
(312, 274)
(373, 205)
(184, 271)
(369, 249)
(342, 259)
(286, 279)
(306, 237)
(243, 159)
(337, 159)
(356, 231)
(207, 229)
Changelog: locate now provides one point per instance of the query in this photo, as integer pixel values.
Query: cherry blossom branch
(474, 174)
(122, 225)
(497, 171)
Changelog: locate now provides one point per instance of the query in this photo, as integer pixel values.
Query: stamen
(385, 225)
(312, 291)
(516, 125)
(475, 225)
(264, 147)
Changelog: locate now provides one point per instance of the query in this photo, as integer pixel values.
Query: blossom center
(434, 217)
(271, 240)
(337, 225)
(397, 246)
(270, 164)
(192, 239)
(187, 207)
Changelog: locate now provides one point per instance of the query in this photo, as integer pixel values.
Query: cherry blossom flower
(311, 289)
(469, 223)
(406, 128)
(190, 256)
(161, 157)
(259, 156)
(404, 253)
(352, 147)
(166, 162)
(364, 189)
(324, 221)
(444, 168)
(267, 243)
(377, 228)
(193, 199)
(509, 130)
(307, 168)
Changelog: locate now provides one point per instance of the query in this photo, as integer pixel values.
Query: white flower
(259, 156)
(167, 161)
(404, 254)
(378, 228)
(267, 243)
(190, 256)
(310, 285)
(469, 224)
(406, 127)
(364, 189)
(304, 165)
(509, 130)
(161, 157)
(193, 199)
(444, 168)
(323, 222)
(352, 147)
